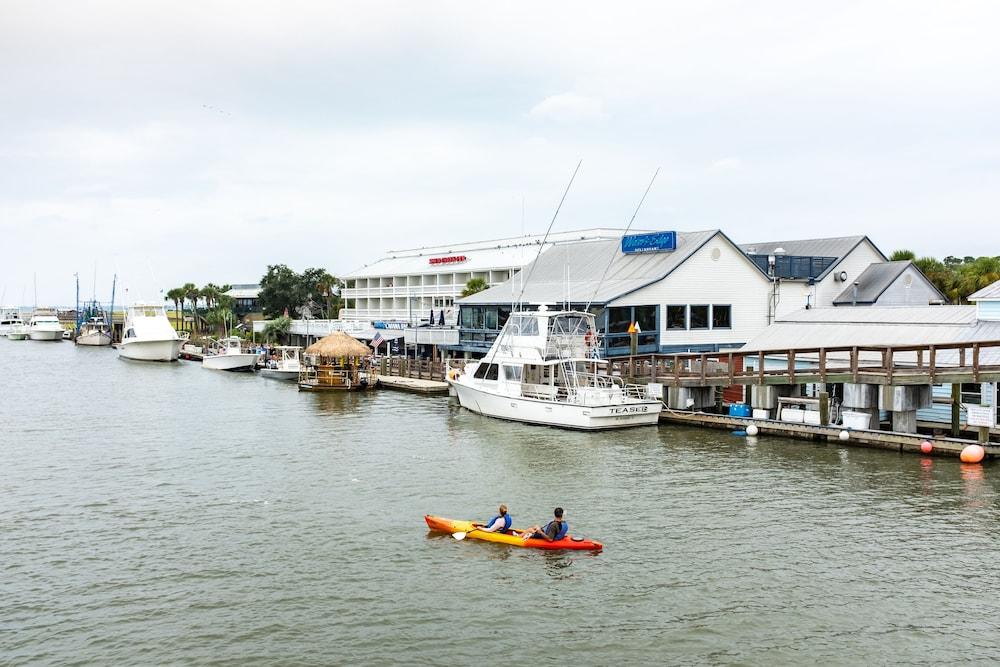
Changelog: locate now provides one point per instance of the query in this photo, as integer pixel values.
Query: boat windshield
(522, 324)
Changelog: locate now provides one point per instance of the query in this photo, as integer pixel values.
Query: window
(722, 317)
(512, 373)
(677, 317)
(646, 317)
(491, 318)
(619, 320)
(472, 317)
(492, 371)
(699, 317)
(503, 312)
(524, 325)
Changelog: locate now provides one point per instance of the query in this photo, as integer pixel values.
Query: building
(891, 284)
(246, 297)
(408, 285)
(987, 302)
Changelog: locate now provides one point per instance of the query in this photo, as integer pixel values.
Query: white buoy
(844, 435)
(752, 429)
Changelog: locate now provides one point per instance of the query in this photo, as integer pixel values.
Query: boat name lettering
(633, 409)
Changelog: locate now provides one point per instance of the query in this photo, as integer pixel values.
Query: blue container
(739, 410)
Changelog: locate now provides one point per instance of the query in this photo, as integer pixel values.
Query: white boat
(9, 318)
(94, 331)
(544, 369)
(44, 325)
(148, 335)
(18, 332)
(285, 368)
(230, 357)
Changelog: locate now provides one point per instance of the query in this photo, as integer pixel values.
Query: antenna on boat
(541, 246)
(614, 251)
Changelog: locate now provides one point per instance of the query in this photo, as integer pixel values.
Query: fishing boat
(9, 317)
(230, 357)
(544, 368)
(514, 537)
(94, 332)
(44, 325)
(149, 335)
(287, 367)
(18, 331)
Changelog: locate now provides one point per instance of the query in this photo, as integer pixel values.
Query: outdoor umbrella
(441, 319)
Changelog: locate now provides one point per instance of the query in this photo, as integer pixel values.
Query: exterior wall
(988, 310)
(795, 295)
(919, 293)
(732, 279)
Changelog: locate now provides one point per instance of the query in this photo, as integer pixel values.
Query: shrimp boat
(230, 357)
(287, 368)
(95, 331)
(149, 335)
(544, 369)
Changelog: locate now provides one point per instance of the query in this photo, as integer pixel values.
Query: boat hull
(151, 350)
(230, 362)
(17, 335)
(94, 339)
(43, 334)
(443, 525)
(279, 374)
(551, 413)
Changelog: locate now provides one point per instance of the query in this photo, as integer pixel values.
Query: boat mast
(111, 314)
(77, 275)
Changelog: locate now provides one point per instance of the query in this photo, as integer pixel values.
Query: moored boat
(287, 367)
(443, 525)
(18, 332)
(9, 318)
(230, 357)
(94, 332)
(148, 335)
(45, 326)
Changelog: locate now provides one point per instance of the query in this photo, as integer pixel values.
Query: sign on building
(653, 242)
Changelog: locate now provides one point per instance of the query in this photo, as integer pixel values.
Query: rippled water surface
(168, 514)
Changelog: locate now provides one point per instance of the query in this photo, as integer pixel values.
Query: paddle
(461, 535)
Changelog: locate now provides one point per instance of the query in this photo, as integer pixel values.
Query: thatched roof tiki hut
(337, 362)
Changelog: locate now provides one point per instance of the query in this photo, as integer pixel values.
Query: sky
(173, 142)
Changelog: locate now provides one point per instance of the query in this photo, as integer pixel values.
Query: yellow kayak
(443, 525)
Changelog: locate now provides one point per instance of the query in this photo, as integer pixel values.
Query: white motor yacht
(285, 368)
(230, 357)
(9, 318)
(95, 332)
(148, 335)
(44, 325)
(544, 369)
(18, 331)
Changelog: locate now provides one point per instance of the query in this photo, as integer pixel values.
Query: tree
(902, 256)
(192, 293)
(474, 286)
(177, 295)
(280, 289)
(318, 285)
(277, 329)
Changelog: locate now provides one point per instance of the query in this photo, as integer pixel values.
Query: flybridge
(653, 242)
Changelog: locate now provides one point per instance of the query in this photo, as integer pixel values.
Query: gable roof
(573, 271)
(876, 279)
(988, 293)
(839, 247)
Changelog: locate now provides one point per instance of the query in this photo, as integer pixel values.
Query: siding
(919, 293)
(730, 280)
(794, 295)
(988, 310)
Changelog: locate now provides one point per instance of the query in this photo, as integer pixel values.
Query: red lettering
(453, 259)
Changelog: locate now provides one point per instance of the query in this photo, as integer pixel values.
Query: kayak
(442, 525)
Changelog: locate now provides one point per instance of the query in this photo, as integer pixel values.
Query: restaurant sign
(451, 259)
(653, 242)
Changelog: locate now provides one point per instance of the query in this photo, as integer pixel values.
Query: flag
(377, 340)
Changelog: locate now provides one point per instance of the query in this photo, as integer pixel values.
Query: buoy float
(844, 435)
(926, 447)
(973, 454)
(752, 429)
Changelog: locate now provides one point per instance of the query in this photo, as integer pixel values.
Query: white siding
(795, 295)
(919, 293)
(729, 280)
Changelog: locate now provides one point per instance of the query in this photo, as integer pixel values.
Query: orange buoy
(973, 454)
(926, 447)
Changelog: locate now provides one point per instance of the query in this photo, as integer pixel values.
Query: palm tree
(177, 296)
(473, 286)
(192, 293)
(902, 256)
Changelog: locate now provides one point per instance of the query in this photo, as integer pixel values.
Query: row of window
(700, 316)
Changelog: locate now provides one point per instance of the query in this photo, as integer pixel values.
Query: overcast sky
(201, 141)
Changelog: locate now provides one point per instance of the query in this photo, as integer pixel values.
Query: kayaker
(553, 531)
(499, 524)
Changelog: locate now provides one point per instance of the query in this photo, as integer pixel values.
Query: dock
(414, 385)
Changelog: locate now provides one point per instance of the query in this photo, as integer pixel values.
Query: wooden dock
(899, 442)
(414, 385)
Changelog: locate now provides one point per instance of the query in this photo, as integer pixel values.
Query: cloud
(727, 164)
(569, 107)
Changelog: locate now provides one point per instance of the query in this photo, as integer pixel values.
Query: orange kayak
(442, 525)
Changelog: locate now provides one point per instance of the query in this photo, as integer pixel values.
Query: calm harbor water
(156, 514)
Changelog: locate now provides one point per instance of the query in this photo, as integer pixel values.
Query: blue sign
(654, 242)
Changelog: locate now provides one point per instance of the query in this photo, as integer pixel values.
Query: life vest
(506, 523)
(563, 529)
(588, 338)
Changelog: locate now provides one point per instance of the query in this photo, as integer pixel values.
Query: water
(157, 514)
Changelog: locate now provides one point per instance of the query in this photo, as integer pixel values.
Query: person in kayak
(553, 531)
(499, 524)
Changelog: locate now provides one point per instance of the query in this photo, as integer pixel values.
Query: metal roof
(244, 291)
(874, 326)
(838, 247)
(988, 293)
(872, 282)
(572, 272)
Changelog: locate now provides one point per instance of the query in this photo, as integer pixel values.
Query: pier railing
(420, 369)
(951, 363)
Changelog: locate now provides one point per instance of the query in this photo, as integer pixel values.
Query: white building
(406, 285)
